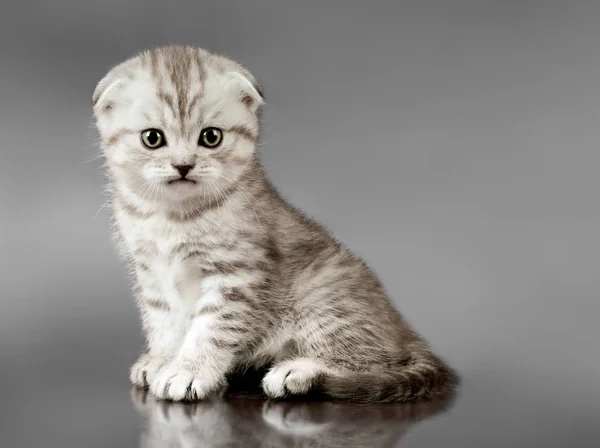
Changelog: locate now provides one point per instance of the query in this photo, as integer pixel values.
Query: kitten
(254, 423)
(228, 274)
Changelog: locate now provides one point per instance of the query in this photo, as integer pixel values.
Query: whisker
(222, 195)
(214, 190)
(99, 156)
(101, 208)
(244, 191)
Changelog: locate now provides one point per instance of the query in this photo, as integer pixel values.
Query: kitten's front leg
(146, 366)
(216, 334)
(196, 372)
(164, 334)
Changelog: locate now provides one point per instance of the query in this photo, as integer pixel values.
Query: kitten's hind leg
(425, 377)
(293, 377)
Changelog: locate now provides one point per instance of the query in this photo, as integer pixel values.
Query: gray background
(452, 143)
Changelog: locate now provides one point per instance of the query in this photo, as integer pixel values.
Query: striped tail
(425, 377)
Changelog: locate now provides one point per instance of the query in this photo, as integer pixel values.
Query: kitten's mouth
(181, 181)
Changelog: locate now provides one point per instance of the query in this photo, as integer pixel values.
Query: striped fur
(228, 274)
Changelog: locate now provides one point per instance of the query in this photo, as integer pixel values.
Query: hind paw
(294, 377)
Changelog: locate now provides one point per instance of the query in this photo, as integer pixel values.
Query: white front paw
(177, 382)
(145, 368)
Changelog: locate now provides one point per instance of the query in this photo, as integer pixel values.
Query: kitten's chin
(180, 182)
(180, 189)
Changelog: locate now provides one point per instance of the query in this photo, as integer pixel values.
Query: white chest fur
(166, 275)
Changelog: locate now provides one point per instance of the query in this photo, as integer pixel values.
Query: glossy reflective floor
(63, 399)
(253, 422)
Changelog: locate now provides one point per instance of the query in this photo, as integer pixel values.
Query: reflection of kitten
(254, 423)
(228, 274)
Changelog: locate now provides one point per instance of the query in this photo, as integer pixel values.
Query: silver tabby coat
(228, 274)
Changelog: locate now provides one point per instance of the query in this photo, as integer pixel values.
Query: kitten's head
(177, 122)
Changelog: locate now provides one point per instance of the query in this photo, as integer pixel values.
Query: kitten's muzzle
(183, 171)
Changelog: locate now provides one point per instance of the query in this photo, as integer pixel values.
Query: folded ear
(104, 93)
(248, 88)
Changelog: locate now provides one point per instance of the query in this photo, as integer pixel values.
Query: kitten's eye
(153, 138)
(210, 137)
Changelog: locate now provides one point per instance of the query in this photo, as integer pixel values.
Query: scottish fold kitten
(228, 275)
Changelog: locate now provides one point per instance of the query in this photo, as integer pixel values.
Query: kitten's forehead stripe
(193, 103)
(185, 71)
(168, 100)
(179, 72)
(179, 65)
(154, 65)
